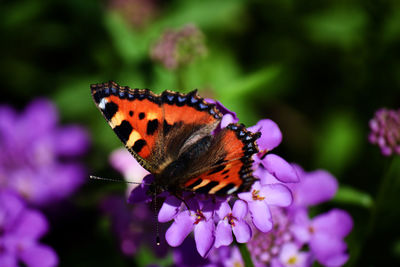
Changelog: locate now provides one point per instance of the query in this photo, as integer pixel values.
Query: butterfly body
(176, 137)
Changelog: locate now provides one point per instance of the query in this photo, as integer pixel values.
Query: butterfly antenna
(156, 219)
(113, 180)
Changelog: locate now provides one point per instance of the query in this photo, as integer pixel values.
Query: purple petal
(316, 187)
(224, 210)
(222, 108)
(39, 117)
(11, 206)
(277, 194)
(261, 215)
(139, 194)
(125, 163)
(31, 224)
(271, 135)
(264, 176)
(39, 256)
(8, 260)
(223, 234)
(228, 119)
(278, 167)
(169, 209)
(242, 231)
(204, 236)
(239, 209)
(179, 229)
(336, 222)
(328, 250)
(71, 141)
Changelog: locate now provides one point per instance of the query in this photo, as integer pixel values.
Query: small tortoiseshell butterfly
(174, 136)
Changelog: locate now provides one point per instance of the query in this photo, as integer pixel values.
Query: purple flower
(295, 239)
(199, 219)
(131, 170)
(228, 115)
(133, 225)
(260, 198)
(290, 255)
(385, 131)
(21, 229)
(139, 13)
(232, 220)
(315, 187)
(38, 156)
(178, 48)
(325, 234)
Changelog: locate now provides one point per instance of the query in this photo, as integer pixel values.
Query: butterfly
(176, 137)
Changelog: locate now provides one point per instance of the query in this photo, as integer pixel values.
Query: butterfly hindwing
(228, 164)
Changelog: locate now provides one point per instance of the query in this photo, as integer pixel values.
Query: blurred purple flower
(37, 158)
(177, 48)
(139, 13)
(21, 228)
(385, 131)
(131, 170)
(132, 225)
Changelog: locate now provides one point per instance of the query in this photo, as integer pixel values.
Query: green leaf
(350, 195)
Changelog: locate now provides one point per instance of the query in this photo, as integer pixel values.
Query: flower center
(311, 229)
(256, 196)
(199, 216)
(292, 260)
(231, 219)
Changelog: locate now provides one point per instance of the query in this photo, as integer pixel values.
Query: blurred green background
(319, 69)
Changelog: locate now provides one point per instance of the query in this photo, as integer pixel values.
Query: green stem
(245, 254)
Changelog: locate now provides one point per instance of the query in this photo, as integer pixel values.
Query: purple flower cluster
(385, 131)
(297, 239)
(21, 228)
(177, 48)
(213, 220)
(138, 13)
(37, 167)
(37, 157)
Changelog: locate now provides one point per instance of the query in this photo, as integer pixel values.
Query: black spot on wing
(225, 172)
(152, 126)
(205, 189)
(139, 144)
(166, 127)
(197, 182)
(224, 190)
(131, 113)
(123, 130)
(109, 110)
(141, 115)
(217, 169)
